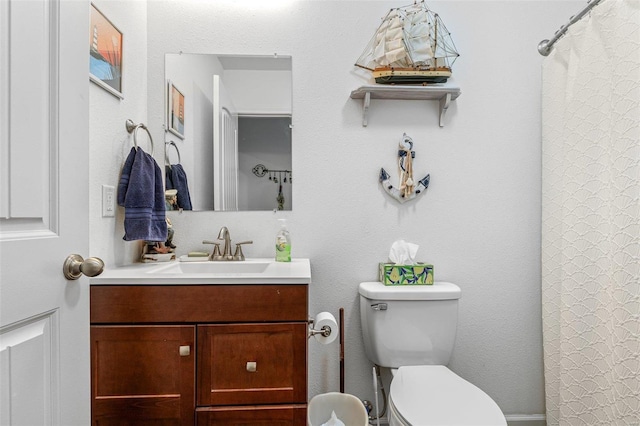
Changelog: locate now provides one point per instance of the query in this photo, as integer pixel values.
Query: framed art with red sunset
(105, 53)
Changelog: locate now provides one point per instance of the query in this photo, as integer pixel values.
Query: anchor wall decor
(408, 189)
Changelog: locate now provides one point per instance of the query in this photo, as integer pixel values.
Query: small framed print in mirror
(175, 113)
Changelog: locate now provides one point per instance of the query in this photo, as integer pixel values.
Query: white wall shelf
(442, 94)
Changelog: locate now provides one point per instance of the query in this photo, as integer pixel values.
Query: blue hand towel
(140, 192)
(177, 179)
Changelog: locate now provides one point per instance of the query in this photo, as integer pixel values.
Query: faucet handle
(238, 255)
(215, 254)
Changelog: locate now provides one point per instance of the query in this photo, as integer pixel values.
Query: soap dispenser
(283, 243)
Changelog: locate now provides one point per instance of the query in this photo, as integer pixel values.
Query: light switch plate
(108, 201)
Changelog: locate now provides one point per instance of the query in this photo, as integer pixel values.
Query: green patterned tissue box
(418, 274)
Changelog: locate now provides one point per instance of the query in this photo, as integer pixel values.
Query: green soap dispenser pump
(283, 243)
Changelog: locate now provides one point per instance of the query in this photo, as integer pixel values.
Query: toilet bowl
(411, 330)
(434, 395)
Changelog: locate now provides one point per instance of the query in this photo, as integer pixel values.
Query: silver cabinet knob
(74, 266)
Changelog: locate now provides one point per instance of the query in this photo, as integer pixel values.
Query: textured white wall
(110, 142)
(479, 222)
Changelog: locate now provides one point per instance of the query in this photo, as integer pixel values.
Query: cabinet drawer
(279, 415)
(252, 364)
(140, 377)
(197, 303)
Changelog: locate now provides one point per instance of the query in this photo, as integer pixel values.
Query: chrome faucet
(226, 249)
(217, 255)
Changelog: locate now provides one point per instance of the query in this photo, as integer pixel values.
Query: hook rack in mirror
(260, 170)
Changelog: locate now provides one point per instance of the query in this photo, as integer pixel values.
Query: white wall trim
(526, 419)
(512, 420)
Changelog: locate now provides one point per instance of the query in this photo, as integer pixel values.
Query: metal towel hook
(132, 128)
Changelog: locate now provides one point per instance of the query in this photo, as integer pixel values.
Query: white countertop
(298, 271)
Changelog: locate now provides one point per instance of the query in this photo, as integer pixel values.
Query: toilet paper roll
(325, 319)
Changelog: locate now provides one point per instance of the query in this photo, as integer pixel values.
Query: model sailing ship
(411, 46)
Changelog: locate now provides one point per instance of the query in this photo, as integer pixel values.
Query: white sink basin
(219, 267)
(250, 271)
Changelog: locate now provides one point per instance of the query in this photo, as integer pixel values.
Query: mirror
(228, 132)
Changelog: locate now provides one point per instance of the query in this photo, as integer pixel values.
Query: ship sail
(412, 45)
(418, 30)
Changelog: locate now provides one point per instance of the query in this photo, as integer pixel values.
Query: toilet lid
(434, 395)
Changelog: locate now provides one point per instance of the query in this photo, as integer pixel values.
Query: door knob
(74, 266)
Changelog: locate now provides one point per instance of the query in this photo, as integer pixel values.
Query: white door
(44, 137)
(225, 148)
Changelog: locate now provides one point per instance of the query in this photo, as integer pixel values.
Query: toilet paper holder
(325, 331)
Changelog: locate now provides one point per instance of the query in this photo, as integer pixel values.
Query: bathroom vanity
(227, 350)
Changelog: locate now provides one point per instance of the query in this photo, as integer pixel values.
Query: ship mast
(435, 43)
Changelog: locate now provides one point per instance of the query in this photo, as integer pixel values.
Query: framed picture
(175, 113)
(105, 53)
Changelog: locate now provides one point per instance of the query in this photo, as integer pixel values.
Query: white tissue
(333, 421)
(403, 253)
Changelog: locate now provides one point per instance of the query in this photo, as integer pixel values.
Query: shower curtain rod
(544, 47)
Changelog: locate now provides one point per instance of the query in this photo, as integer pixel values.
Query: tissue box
(418, 274)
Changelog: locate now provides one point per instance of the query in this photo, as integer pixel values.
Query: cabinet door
(141, 376)
(252, 364)
(279, 415)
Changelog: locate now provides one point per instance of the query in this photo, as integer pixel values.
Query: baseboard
(526, 420)
(512, 420)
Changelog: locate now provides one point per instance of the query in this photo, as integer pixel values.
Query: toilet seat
(428, 395)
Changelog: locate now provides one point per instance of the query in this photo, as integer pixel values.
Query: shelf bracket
(443, 94)
(365, 108)
(444, 105)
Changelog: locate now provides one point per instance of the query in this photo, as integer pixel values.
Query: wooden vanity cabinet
(276, 415)
(199, 354)
(139, 377)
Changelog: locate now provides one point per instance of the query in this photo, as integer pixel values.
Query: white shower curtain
(591, 220)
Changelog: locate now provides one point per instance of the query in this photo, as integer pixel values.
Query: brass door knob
(74, 266)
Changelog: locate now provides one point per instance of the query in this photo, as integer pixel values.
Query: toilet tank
(409, 325)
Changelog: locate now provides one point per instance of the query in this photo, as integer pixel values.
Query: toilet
(412, 330)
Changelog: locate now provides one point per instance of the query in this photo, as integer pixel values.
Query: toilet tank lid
(440, 290)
